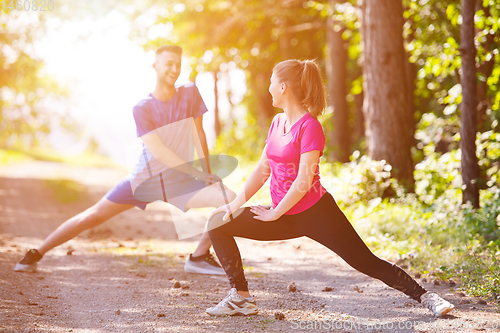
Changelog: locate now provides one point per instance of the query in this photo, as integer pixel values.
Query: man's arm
(200, 142)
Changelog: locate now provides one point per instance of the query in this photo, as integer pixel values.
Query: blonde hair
(305, 82)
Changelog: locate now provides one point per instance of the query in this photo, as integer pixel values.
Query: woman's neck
(293, 113)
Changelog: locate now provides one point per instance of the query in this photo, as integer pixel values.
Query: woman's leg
(326, 224)
(244, 225)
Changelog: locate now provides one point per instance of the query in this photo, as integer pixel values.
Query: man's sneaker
(436, 304)
(28, 264)
(204, 264)
(234, 305)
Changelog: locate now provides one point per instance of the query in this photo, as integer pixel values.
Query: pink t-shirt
(283, 154)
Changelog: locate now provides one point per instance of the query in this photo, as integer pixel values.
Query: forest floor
(119, 277)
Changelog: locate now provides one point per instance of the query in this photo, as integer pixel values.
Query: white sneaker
(233, 305)
(25, 268)
(436, 304)
(205, 264)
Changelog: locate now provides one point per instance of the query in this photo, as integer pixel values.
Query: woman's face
(276, 90)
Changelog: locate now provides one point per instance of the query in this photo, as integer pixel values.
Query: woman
(301, 206)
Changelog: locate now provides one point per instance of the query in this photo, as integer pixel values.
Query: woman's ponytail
(313, 88)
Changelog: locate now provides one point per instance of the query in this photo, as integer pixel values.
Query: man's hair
(169, 48)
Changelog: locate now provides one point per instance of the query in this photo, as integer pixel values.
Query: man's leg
(201, 261)
(90, 218)
(210, 196)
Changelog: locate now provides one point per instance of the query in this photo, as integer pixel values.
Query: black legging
(325, 223)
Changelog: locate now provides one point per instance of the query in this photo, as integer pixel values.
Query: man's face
(168, 67)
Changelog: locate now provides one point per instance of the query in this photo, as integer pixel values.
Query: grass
(11, 157)
(479, 272)
(65, 191)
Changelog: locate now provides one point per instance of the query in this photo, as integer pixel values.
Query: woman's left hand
(264, 213)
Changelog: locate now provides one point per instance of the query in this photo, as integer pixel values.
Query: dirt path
(119, 277)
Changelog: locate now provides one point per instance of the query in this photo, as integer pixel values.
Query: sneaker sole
(239, 312)
(196, 271)
(446, 311)
(25, 268)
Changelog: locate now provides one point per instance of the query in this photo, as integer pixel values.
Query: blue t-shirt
(151, 113)
(173, 121)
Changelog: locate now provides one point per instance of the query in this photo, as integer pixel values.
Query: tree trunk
(336, 73)
(468, 117)
(229, 94)
(385, 104)
(359, 119)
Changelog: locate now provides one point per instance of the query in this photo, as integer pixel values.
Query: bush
(361, 180)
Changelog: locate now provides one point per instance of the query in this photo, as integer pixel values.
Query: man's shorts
(122, 194)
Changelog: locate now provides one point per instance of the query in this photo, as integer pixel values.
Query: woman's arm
(300, 186)
(257, 178)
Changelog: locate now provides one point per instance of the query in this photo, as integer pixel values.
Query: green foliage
(243, 139)
(10, 157)
(433, 35)
(438, 138)
(363, 179)
(85, 159)
(488, 147)
(438, 175)
(24, 120)
(27, 94)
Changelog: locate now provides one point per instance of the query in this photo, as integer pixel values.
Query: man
(165, 115)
